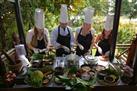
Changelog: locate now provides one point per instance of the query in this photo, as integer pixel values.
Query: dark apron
(63, 40)
(85, 41)
(41, 44)
(105, 46)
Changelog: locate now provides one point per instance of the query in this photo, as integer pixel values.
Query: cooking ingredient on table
(59, 71)
(85, 72)
(35, 78)
(9, 78)
(127, 74)
(77, 84)
(108, 76)
(37, 56)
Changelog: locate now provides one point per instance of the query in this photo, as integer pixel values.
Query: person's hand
(80, 46)
(72, 50)
(66, 49)
(49, 47)
(36, 50)
(43, 50)
(95, 45)
(107, 53)
(99, 49)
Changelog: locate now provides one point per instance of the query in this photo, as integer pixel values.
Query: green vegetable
(37, 56)
(35, 78)
(73, 70)
(50, 56)
(77, 84)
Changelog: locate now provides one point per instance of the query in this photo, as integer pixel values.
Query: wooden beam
(20, 23)
(115, 28)
(134, 79)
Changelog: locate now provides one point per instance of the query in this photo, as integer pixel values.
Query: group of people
(63, 39)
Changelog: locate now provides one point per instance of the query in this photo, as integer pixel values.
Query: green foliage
(73, 70)
(98, 24)
(77, 84)
(101, 6)
(51, 8)
(129, 8)
(8, 24)
(126, 33)
(37, 56)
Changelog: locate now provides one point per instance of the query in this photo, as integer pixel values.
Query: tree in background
(129, 8)
(7, 23)
(51, 8)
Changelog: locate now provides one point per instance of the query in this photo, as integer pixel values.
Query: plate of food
(86, 72)
(108, 77)
(99, 67)
(47, 78)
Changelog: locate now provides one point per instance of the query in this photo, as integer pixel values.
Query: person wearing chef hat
(103, 41)
(37, 38)
(62, 37)
(85, 34)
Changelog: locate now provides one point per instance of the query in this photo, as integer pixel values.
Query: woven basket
(16, 67)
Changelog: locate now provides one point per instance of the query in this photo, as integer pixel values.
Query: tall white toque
(88, 13)
(39, 18)
(64, 13)
(109, 22)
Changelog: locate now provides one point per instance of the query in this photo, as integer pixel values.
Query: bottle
(3, 67)
(65, 63)
(21, 53)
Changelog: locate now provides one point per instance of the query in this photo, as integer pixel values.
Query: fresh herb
(37, 56)
(77, 84)
(34, 78)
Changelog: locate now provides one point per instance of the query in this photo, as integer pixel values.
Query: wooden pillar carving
(131, 52)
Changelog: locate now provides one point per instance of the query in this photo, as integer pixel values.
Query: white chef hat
(88, 13)
(109, 22)
(63, 13)
(39, 18)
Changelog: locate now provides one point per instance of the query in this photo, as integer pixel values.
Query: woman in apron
(103, 41)
(85, 34)
(37, 37)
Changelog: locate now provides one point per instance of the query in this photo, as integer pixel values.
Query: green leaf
(37, 56)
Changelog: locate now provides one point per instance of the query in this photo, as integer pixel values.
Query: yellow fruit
(38, 74)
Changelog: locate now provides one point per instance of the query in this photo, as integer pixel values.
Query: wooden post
(20, 23)
(134, 79)
(2, 31)
(115, 29)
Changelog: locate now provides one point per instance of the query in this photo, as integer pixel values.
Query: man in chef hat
(38, 37)
(62, 37)
(103, 41)
(85, 34)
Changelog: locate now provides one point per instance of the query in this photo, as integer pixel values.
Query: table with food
(70, 72)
